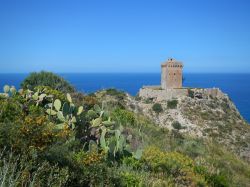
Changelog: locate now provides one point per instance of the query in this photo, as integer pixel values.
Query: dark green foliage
(172, 104)
(214, 179)
(124, 116)
(47, 79)
(148, 100)
(10, 110)
(190, 93)
(134, 163)
(157, 108)
(130, 179)
(117, 93)
(218, 180)
(177, 125)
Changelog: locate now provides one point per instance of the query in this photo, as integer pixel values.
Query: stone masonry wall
(160, 94)
(155, 92)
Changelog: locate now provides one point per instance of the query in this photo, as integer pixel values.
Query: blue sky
(124, 35)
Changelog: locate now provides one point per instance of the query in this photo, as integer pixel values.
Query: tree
(47, 79)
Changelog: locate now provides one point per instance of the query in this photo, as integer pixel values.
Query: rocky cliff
(212, 117)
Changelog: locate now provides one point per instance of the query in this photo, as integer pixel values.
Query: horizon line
(123, 72)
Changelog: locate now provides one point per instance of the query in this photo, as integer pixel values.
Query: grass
(14, 171)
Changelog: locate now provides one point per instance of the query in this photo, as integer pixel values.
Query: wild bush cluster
(48, 139)
(47, 79)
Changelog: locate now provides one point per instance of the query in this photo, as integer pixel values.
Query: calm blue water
(237, 86)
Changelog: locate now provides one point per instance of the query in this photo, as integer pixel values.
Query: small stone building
(171, 74)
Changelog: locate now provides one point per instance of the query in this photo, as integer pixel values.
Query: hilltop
(49, 137)
(199, 116)
(196, 118)
(203, 116)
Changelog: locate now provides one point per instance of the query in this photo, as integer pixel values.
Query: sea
(237, 86)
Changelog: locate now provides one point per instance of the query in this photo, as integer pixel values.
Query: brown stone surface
(171, 74)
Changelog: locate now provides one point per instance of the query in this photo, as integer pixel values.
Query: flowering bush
(174, 164)
(89, 158)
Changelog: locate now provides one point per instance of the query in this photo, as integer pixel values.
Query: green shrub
(130, 179)
(117, 93)
(47, 79)
(157, 108)
(214, 179)
(124, 116)
(148, 100)
(170, 162)
(32, 133)
(190, 93)
(219, 180)
(132, 162)
(176, 125)
(92, 170)
(172, 104)
(10, 110)
(173, 164)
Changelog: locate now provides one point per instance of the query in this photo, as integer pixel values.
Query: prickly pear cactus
(65, 114)
(112, 140)
(6, 89)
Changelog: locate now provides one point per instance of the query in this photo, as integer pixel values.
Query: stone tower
(171, 74)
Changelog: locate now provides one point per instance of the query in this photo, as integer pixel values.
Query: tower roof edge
(172, 61)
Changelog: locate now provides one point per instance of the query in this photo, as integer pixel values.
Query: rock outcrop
(203, 113)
